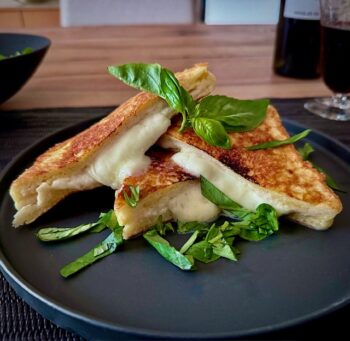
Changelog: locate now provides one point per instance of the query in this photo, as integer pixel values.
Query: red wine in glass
(335, 60)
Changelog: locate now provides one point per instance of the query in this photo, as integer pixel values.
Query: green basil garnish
(211, 118)
(278, 143)
(168, 252)
(103, 249)
(134, 197)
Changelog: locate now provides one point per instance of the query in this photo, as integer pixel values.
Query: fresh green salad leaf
(103, 249)
(211, 118)
(168, 252)
(61, 233)
(305, 153)
(278, 143)
(134, 197)
(232, 113)
(26, 50)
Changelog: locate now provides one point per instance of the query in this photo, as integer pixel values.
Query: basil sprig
(278, 143)
(305, 153)
(211, 118)
(134, 197)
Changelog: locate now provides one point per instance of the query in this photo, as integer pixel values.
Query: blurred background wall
(51, 13)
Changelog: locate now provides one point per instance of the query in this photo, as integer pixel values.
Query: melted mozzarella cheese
(125, 155)
(190, 205)
(239, 189)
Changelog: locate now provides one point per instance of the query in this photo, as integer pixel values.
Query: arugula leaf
(168, 252)
(234, 114)
(49, 234)
(211, 131)
(103, 249)
(305, 152)
(134, 197)
(278, 143)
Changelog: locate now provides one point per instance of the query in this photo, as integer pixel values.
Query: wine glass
(335, 60)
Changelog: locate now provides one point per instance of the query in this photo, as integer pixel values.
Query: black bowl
(15, 71)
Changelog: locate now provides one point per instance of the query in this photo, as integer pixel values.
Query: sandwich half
(104, 154)
(276, 176)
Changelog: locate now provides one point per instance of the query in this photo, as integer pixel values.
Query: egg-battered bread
(103, 154)
(277, 176)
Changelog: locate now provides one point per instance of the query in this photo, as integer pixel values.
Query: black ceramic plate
(292, 277)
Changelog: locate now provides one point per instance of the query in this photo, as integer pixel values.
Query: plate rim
(11, 274)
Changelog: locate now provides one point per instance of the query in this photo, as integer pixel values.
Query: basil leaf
(223, 249)
(134, 197)
(234, 114)
(103, 249)
(168, 252)
(50, 234)
(329, 180)
(163, 228)
(211, 131)
(203, 252)
(306, 151)
(278, 143)
(190, 227)
(189, 242)
(156, 80)
(261, 224)
(217, 197)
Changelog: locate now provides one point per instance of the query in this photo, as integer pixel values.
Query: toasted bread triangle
(32, 191)
(276, 176)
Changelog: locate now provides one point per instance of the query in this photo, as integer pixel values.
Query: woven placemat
(19, 129)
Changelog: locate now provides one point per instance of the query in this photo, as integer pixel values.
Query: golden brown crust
(279, 169)
(68, 158)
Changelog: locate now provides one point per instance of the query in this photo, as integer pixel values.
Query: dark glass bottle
(297, 48)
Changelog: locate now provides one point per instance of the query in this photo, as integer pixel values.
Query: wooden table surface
(73, 74)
